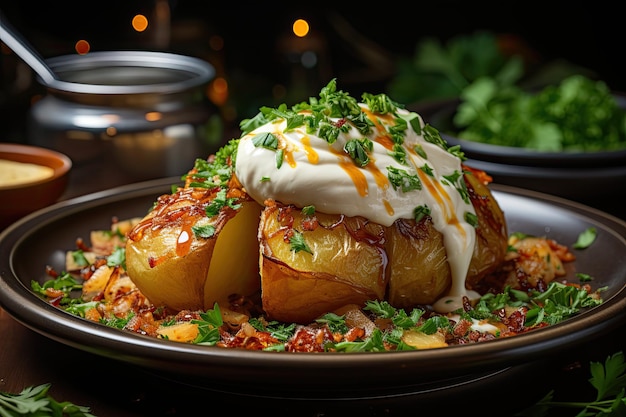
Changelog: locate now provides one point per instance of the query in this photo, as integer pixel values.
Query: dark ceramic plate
(42, 238)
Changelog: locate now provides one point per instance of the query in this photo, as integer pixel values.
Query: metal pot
(146, 111)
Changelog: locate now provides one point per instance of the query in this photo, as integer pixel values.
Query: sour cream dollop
(304, 169)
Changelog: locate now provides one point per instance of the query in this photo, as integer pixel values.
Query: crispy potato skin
(491, 234)
(353, 260)
(171, 265)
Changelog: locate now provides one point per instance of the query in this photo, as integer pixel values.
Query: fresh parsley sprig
(35, 402)
(609, 381)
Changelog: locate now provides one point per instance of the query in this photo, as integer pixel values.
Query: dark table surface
(115, 388)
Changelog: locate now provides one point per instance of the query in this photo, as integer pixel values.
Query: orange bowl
(23, 197)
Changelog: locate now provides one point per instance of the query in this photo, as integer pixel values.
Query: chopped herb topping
(419, 149)
(209, 326)
(399, 154)
(400, 178)
(207, 231)
(79, 258)
(471, 219)
(308, 210)
(298, 244)
(398, 130)
(456, 179)
(280, 157)
(220, 201)
(420, 212)
(218, 171)
(117, 258)
(319, 115)
(265, 140)
(380, 103)
(427, 170)
(359, 149)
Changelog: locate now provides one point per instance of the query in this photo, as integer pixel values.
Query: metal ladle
(18, 44)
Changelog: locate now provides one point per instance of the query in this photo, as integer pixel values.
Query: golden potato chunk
(419, 272)
(182, 259)
(311, 265)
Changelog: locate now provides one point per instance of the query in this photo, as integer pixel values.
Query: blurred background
(261, 60)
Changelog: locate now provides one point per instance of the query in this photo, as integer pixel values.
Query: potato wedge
(175, 267)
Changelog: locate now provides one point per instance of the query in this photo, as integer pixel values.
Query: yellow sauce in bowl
(14, 173)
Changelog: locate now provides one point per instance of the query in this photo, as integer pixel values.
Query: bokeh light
(140, 23)
(300, 28)
(218, 91)
(82, 47)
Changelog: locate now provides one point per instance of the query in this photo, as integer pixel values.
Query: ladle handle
(18, 44)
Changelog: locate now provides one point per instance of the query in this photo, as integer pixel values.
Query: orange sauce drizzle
(311, 155)
(437, 191)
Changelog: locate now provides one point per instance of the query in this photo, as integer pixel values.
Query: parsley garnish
(427, 170)
(79, 258)
(358, 150)
(399, 154)
(216, 173)
(609, 381)
(277, 330)
(220, 201)
(586, 238)
(398, 130)
(336, 323)
(64, 282)
(308, 210)
(456, 179)
(117, 322)
(280, 157)
(207, 231)
(117, 258)
(380, 103)
(400, 178)
(35, 401)
(471, 219)
(298, 244)
(209, 326)
(265, 140)
(420, 212)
